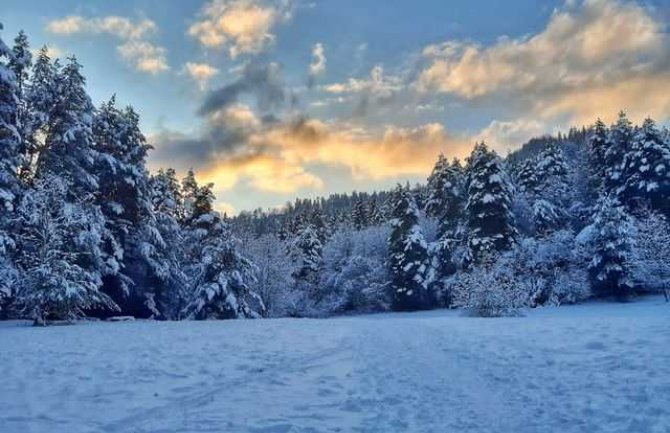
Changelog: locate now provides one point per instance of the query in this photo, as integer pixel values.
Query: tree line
(86, 230)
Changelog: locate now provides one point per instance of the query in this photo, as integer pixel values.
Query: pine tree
(620, 141)
(10, 187)
(408, 251)
(598, 144)
(526, 177)
(20, 63)
(446, 202)
(608, 269)
(359, 215)
(69, 146)
(490, 221)
(59, 241)
(554, 175)
(647, 170)
(309, 245)
(436, 188)
(10, 138)
(218, 273)
(42, 97)
(167, 202)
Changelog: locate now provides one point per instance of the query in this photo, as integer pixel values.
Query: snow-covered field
(589, 368)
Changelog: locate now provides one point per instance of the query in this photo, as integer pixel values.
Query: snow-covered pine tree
(359, 215)
(125, 197)
(189, 189)
(647, 170)
(10, 186)
(598, 143)
(609, 268)
(217, 272)
(435, 188)
(554, 175)
(69, 147)
(309, 245)
(446, 202)
(10, 138)
(21, 61)
(490, 221)
(408, 255)
(167, 202)
(59, 242)
(20, 64)
(42, 96)
(375, 213)
(526, 177)
(620, 141)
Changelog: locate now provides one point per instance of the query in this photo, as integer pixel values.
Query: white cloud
(318, 65)
(200, 72)
(121, 27)
(589, 49)
(135, 49)
(144, 56)
(244, 26)
(507, 136)
(377, 84)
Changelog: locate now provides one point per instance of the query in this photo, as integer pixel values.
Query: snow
(597, 367)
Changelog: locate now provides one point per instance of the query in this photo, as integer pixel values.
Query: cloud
(591, 51)
(318, 64)
(120, 27)
(281, 157)
(143, 55)
(507, 136)
(376, 90)
(200, 72)
(261, 81)
(244, 26)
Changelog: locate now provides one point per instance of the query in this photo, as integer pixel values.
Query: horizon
(274, 101)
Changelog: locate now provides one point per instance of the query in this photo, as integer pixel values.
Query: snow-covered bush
(489, 290)
(274, 272)
(650, 260)
(355, 275)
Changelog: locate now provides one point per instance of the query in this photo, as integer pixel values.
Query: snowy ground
(593, 368)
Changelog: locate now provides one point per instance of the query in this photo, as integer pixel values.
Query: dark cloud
(262, 81)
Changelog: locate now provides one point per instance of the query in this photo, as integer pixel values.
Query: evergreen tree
(526, 177)
(167, 202)
(608, 269)
(218, 274)
(42, 100)
(10, 186)
(59, 242)
(309, 245)
(69, 147)
(409, 261)
(620, 141)
(490, 222)
(21, 61)
(598, 144)
(553, 175)
(359, 215)
(436, 188)
(446, 202)
(647, 170)
(10, 138)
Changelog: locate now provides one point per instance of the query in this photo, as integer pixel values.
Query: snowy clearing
(590, 368)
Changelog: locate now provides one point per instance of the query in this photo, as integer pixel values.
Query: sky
(273, 100)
